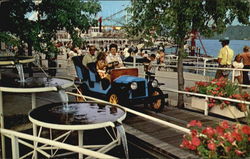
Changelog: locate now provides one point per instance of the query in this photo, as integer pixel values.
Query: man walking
(225, 57)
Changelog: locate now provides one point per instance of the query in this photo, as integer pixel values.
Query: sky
(110, 7)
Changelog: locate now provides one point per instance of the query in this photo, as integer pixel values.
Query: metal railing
(206, 98)
(204, 69)
(17, 136)
(162, 122)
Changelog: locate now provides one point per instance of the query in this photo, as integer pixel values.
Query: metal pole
(2, 124)
(33, 100)
(233, 73)
(35, 143)
(197, 60)
(33, 104)
(15, 147)
(205, 65)
(206, 106)
(80, 142)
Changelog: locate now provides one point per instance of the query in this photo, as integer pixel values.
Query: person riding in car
(113, 57)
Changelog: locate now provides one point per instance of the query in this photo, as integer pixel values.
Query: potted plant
(221, 141)
(221, 87)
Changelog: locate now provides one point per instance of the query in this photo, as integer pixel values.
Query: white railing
(204, 69)
(206, 97)
(165, 123)
(17, 136)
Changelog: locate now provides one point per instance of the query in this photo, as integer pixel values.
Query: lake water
(213, 46)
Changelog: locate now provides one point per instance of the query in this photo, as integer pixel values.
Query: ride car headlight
(133, 86)
(154, 83)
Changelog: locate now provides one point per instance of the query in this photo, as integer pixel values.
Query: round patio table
(79, 117)
(31, 85)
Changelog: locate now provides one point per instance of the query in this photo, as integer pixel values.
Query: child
(150, 72)
(238, 64)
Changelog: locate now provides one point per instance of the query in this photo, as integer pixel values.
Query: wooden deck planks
(165, 138)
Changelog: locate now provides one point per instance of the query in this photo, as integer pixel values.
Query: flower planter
(229, 111)
(198, 103)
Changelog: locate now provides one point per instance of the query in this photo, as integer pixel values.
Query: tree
(75, 16)
(178, 18)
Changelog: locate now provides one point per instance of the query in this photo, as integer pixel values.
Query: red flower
(236, 96)
(194, 132)
(209, 131)
(229, 137)
(224, 124)
(223, 140)
(221, 94)
(212, 146)
(200, 83)
(196, 141)
(220, 130)
(210, 105)
(184, 143)
(237, 136)
(246, 129)
(226, 102)
(239, 153)
(227, 149)
(245, 95)
(194, 123)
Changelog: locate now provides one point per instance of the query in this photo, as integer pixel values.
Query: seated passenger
(113, 57)
(101, 66)
(89, 57)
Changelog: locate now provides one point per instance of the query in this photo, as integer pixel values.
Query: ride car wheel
(158, 104)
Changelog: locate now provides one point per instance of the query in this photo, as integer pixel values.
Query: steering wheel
(112, 65)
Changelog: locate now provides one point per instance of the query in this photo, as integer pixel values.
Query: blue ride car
(126, 88)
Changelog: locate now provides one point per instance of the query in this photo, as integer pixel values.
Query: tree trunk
(181, 81)
(30, 64)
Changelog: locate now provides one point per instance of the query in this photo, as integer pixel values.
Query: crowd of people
(113, 57)
(241, 61)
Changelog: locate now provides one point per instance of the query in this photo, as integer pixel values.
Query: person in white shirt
(238, 64)
(151, 68)
(125, 52)
(113, 57)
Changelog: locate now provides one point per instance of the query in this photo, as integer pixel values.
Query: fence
(16, 138)
(204, 69)
(206, 97)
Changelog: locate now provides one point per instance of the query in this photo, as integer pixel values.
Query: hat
(224, 39)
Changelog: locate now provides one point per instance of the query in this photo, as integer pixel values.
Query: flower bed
(222, 141)
(228, 111)
(221, 88)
